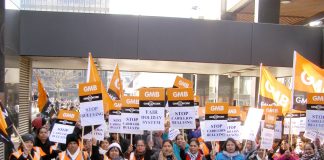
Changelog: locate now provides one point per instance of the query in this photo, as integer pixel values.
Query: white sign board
(130, 123)
(252, 124)
(99, 133)
(91, 113)
(267, 138)
(182, 117)
(151, 118)
(59, 133)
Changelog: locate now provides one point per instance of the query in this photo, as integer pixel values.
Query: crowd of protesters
(189, 145)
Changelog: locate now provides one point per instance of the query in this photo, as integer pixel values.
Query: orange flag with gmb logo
(307, 78)
(273, 93)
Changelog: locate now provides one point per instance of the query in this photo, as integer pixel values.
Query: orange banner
(69, 115)
(180, 94)
(182, 83)
(130, 101)
(152, 94)
(270, 118)
(315, 98)
(216, 108)
(89, 88)
(234, 111)
(273, 93)
(308, 78)
(272, 110)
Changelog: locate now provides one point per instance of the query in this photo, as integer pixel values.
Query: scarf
(307, 156)
(102, 151)
(75, 155)
(193, 156)
(231, 155)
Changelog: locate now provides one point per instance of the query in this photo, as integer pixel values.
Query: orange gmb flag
(93, 76)
(180, 82)
(115, 89)
(273, 93)
(308, 78)
(42, 96)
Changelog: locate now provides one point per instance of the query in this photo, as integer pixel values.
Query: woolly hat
(114, 145)
(27, 137)
(72, 138)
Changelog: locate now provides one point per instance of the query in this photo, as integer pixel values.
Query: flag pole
(292, 97)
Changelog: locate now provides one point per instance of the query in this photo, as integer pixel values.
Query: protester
(194, 152)
(73, 151)
(310, 152)
(299, 146)
(285, 152)
(157, 140)
(166, 152)
(180, 148)
(26, 150)
(195, 133)
(114, 152)
(142, 151)
(230, 152)
(49, 149)
(115, 137)
(250, 147)
(99, 152)
(258, 154)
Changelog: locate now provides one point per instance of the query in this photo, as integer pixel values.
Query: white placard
(215, 130)
(302, 123)
(182, 117)
(151, 118)
(252, 124)
(91, 113)
(312, 134)
(267, 137)
(196, 112)
(234, 130)
(295, 125)
(59, 132)
(115, 124)
(278, 129)
(315, 119)
(130, 123)
(99, 133)
(173, 133)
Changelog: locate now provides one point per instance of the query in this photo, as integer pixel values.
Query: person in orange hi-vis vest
(73, 151)
(49, 149)
(26, 150)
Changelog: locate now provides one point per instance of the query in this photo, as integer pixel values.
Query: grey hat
(27, 137)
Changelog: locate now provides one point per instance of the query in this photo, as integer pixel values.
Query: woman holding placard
(285, 152)
(230, 152)
(194, 152)
(180, 148)
(167, 151)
